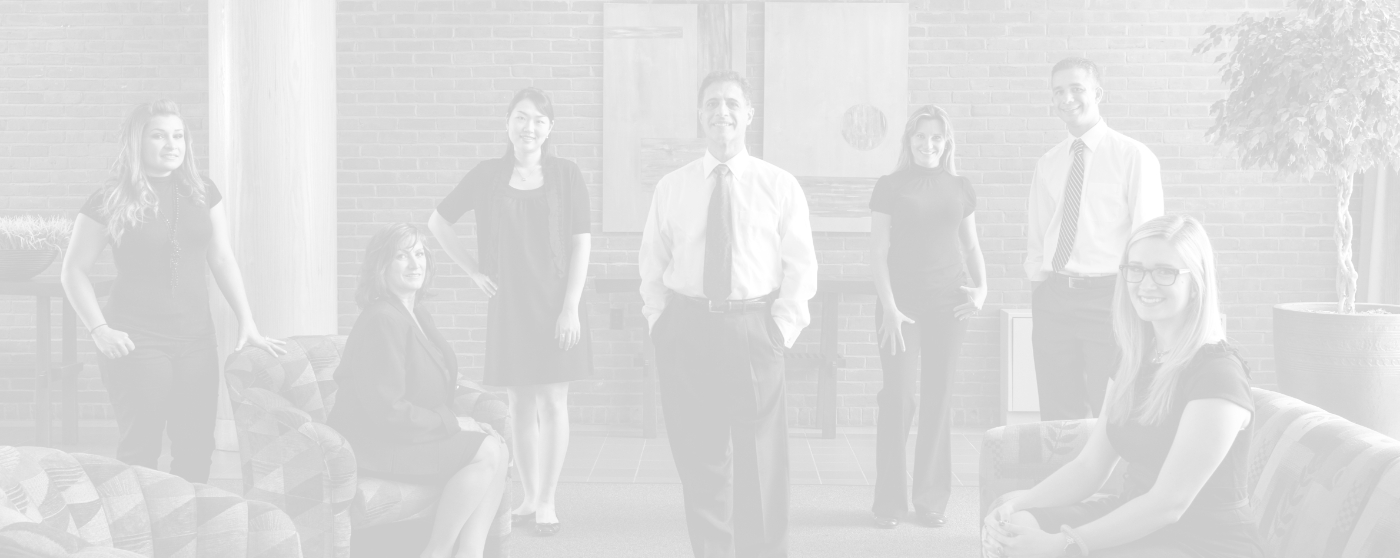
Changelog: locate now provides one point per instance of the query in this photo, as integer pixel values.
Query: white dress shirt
(772, 239)
(1122, 189)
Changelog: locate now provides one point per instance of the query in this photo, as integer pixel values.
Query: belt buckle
(720, 309)
(1074, 282)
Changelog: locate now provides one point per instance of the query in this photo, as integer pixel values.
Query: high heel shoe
(547, 529)
(522, 518)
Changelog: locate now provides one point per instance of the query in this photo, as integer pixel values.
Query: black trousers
(165, 385)
(932, 345)
(1075, 354)
(723, 395)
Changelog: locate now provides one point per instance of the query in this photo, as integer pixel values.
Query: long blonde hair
(1134, 334)
(129, 198)
(928, 112)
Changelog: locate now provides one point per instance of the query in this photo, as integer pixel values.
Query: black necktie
(719, 255)
(1069, 222)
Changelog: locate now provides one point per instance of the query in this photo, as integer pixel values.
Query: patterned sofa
(60, 504)
(1321, 486)
(289, 457)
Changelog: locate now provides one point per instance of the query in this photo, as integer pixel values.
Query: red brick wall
(69, 73)
(423, 84)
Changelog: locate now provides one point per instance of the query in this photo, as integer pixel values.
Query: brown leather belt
(727, 306)
(1073, 282)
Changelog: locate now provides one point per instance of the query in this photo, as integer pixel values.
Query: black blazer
(395, 382)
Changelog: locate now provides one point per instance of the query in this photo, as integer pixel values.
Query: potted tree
(1316, 89)
(29, 243)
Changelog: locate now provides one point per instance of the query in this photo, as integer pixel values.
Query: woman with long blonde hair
(1179, 413)
(155, 336)
(930, 277)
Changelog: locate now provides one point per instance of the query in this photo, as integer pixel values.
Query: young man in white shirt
(727, 266)
(1088, 194)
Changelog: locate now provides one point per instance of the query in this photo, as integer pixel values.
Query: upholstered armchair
(1320, 486)
(289, 457)
(54, 504)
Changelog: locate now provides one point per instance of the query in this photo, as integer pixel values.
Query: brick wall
(422, 88)
(69, 73)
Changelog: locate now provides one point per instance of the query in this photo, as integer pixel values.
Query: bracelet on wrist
(93, 329)
(1076, 542)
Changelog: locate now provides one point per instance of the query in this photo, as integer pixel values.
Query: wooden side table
(826, 361)
(44, 290)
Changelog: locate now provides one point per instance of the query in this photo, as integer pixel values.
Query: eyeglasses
(1164, 276)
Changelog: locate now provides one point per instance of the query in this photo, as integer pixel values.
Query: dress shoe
(932, 519)
(547, 529)
(886, 522)
(522, 518)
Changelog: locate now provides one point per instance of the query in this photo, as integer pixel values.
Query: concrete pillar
(272, 135)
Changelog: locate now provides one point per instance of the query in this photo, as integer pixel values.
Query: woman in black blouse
(533, 240)
(1179, 413)
(155, 337)
(924, 245)
(397, 380)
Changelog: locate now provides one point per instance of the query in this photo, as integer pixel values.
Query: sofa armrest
(1016, 457)
(303, 467)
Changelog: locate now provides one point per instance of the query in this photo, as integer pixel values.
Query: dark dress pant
(723, 396)
(932, 345)
(1075, 353)
(165, 386)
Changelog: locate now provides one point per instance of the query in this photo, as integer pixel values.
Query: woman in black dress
(1179, 412)
(396, 383)
(924, 245)
(155, 337)
(533, 240)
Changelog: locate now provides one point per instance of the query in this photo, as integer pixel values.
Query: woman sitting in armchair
(397, 378)
(1178, 412)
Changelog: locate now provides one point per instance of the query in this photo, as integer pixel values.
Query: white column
(272, 136)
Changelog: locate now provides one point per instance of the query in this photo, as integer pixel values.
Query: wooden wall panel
(836, 89)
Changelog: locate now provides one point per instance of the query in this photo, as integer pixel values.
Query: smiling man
(727, 268)
(1088, 194)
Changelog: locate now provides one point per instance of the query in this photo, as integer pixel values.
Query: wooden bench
(825, 362)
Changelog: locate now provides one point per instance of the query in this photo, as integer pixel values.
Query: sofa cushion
(303, 376)
(380, 501)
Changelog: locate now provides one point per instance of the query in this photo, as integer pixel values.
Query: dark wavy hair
(380, 251)
(128, 198)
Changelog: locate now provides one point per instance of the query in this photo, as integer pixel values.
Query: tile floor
(849, 459)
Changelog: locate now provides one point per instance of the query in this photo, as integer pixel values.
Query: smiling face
(528, 127)
(405, 273)
(163, 145)
(725, 114)
(1076, 95)
(927, 143)
(1161, 305)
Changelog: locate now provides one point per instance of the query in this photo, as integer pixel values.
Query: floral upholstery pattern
(289, 457)
(54, 503)
(1320, 486)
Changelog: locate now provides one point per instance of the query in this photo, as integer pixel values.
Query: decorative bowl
(22, 265)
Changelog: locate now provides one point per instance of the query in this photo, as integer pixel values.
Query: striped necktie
(719, 254)
(1069, 222)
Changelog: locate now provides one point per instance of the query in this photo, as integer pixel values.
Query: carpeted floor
(647, 521)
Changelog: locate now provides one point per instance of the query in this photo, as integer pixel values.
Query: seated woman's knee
(1025, 519)
(490, 454)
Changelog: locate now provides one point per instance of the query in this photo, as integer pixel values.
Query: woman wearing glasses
(1179, 412)
(924, 245)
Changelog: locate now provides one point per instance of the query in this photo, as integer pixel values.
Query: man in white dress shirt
(1088, 194)
(727, 267)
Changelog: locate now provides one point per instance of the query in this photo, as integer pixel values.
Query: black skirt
(430, 462)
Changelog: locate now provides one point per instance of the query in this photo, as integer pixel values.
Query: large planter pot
(1348, 364)
(21, 265)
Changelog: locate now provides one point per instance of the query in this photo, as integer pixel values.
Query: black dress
(1217, 524)
(524, 243)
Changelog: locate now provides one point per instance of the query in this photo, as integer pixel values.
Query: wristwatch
(1073, 546)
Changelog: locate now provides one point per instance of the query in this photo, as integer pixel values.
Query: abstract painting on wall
(835, 93)
(654, 56)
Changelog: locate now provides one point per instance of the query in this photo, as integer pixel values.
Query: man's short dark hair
(1081, 63)
(720, 76)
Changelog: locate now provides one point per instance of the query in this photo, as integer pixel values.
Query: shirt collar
(739, 164)
(1094, 135)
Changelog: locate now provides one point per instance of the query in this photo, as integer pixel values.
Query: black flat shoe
(932, 519)
(547, 529)
(886, 522)
(522, 518)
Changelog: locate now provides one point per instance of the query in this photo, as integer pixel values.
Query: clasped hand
(1002, 538)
